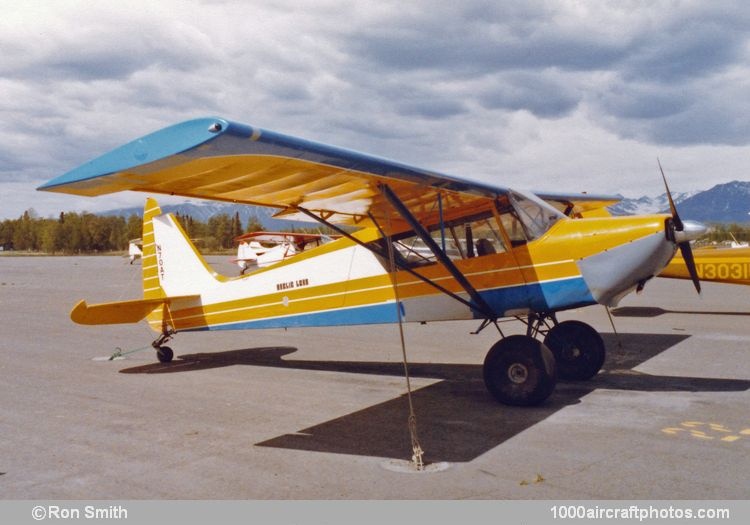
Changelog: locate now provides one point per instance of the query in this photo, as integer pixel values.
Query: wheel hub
(572, 352)
(518, 373)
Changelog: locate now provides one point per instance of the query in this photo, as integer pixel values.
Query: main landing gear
(521, 370)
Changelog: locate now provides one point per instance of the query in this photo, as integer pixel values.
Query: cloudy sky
(555, 95)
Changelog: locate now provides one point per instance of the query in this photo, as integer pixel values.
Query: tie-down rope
(417, 452)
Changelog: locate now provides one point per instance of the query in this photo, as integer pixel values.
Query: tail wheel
(579, 350)
(519, 370)
(164, 354)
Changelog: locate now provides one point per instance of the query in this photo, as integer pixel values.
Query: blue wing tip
(155, 146)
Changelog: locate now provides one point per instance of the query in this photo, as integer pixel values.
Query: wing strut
(384, 256)
(479, 305)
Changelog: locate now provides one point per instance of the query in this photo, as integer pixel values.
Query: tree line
(81, 233)
(728, 232)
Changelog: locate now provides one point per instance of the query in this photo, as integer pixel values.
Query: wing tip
(158, 145)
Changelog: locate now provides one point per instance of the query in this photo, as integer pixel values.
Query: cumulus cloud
(544, 95)
(501, 91)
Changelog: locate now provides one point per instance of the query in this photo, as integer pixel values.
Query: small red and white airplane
(261, 249)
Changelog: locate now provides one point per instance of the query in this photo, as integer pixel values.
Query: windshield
(536, 215)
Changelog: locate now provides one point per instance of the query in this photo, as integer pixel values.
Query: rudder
(150, 268)
(172, 266)
(151, 286)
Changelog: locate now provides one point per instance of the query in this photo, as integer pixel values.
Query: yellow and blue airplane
(415, 246)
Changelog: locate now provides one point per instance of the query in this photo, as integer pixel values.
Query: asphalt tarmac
(322, 413)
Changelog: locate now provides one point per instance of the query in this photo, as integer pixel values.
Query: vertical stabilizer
(151, 287)
(172, 266)
(181, 270)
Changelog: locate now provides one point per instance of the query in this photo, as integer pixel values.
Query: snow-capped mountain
(724, 203)
(644, 205)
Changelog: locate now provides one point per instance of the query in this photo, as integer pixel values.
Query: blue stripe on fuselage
(375, 314)
(539, 297)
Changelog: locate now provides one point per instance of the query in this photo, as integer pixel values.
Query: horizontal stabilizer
(120, 312)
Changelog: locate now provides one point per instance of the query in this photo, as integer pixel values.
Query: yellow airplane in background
(415, 246)
(723, 265)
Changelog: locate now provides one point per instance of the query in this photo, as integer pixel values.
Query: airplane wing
(213, 158)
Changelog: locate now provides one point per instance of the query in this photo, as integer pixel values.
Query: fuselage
(574, 263)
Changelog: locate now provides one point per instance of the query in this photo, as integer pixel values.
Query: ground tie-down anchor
(120, 353)
(417, 451)
(158, 345)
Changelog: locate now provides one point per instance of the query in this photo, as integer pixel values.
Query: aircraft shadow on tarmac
(651, 311)
(458, 420)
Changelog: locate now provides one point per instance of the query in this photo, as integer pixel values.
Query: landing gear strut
(163, 353)
(522, 370)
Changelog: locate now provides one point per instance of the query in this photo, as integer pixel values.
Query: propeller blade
(684, 236)
(672, 208)
(687, 255)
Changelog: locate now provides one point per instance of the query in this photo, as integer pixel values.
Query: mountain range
(724, 203)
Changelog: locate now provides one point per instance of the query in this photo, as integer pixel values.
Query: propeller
(683, 233)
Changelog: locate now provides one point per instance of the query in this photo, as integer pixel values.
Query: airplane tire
(520, 371)
(164, 354)
(578, 348)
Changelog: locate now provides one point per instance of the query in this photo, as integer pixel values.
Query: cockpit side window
(472, 236)
(513, 227)
(482, 237)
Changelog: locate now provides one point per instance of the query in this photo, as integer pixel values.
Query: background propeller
(683, 233)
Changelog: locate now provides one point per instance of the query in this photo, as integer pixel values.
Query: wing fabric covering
(217, 159)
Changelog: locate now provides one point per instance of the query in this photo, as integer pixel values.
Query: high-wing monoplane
(415, 246)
